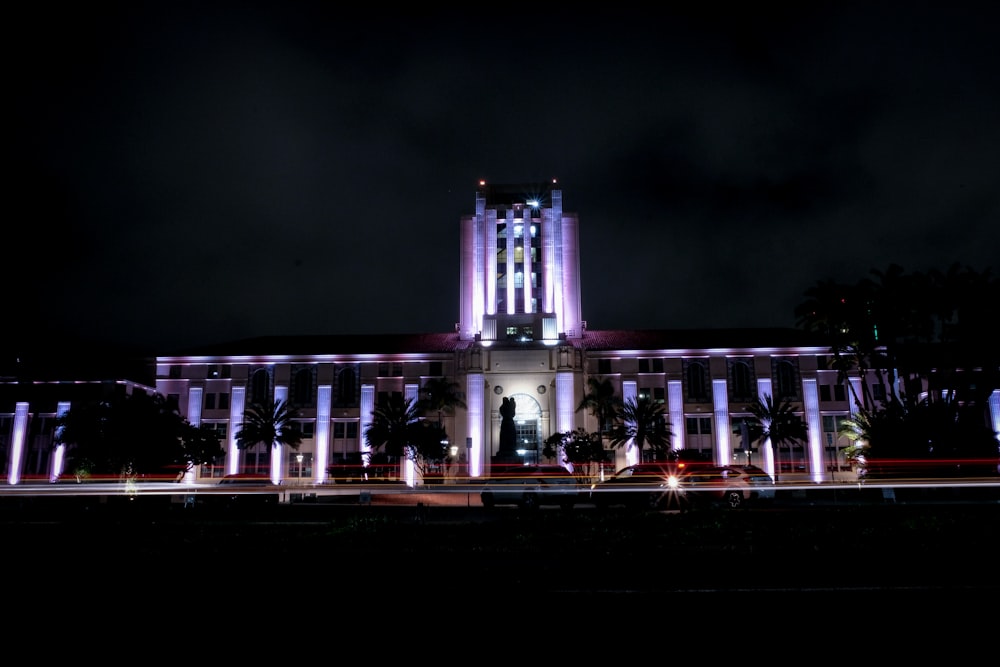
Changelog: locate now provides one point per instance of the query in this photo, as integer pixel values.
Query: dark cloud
(198, 172)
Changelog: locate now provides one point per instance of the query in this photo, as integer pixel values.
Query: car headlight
(673, 482)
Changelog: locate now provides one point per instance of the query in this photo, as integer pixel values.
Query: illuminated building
(520, 335)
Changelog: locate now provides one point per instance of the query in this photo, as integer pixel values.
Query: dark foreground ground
(139, 582)
(356, 550)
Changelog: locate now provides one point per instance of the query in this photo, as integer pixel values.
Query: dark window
(209, 401)
(697, 386)
(347, 387)
(787, 380)
(303, 387)
(260, 386)
(824, 392)
(742, 379)
(436, 369)
(644, 365)
(657, 365)
(878, 392)
(224, 401)
(175, 372)
(838, 392)
(604, 366)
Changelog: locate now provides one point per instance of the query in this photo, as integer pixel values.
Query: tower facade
(520, 266)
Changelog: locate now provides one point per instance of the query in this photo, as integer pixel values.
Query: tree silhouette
(777, 423)
(269, 424)
(643, 423)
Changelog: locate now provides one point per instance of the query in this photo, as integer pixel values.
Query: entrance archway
(528, 425)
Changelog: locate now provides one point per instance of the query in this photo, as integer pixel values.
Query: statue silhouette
(508, 434)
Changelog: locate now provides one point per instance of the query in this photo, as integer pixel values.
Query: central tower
(520, 266)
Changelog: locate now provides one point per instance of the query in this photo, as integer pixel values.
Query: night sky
(186, 173)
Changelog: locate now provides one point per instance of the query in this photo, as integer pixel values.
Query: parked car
(643, 485)
(531, 486)
(730, 485)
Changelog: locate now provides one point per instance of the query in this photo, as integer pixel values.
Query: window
(224, 401)
(824, 392)
(878, 392)
(839, 394)
(657, 365)
(435, 369)
(302, 386)
(209, 401)
(307, 428)
(260, 386)
(347, 387)
(741, 380)
(345, 439)
(175, 372)
(786, 377)
(698, 434)
(696, 379)
(219, 428)
(644, 365)
(659, 395)
(604, 366)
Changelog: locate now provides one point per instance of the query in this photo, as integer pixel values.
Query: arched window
(697, 384)
(260, 386)
(347, 381)
(787, 379)
(302, 387)
(742, 381)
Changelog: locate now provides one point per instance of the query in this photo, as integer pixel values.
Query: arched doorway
(527, 424)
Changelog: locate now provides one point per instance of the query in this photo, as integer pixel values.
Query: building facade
(520, 336)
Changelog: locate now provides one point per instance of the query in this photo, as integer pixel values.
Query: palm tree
(268, 423)
(779, 424)
(601, 401)
(642, 422)
(442, 395)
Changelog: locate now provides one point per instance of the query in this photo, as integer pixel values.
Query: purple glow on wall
(324, 395)
(810, 400)
(720, 399)
(18, 434)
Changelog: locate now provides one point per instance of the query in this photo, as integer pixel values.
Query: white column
(810, 401)
(324, 397)
(411, 393)
(236, 407)
(675, 404)
(18, 435)
(277, 450)
(367, 407)
(723, 430)
(764, 389)
(60, 452)
(629, 392)
(474, 415)
(195, 401)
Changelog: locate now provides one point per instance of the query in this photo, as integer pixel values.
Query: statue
(508, 434)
